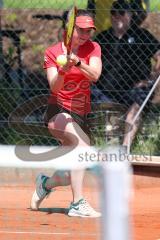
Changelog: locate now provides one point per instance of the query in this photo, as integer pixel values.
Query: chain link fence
(26, 31)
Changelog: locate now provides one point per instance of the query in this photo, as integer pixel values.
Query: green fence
(25, 36)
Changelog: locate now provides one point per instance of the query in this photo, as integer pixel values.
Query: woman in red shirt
(68, 107)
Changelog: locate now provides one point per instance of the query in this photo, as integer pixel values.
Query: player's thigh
(63, 126)
(83, 138)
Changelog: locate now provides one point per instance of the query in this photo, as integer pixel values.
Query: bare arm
(91, 71)
(56, 78)
(157, 60)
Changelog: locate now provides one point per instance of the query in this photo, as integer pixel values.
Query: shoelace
(86, 206)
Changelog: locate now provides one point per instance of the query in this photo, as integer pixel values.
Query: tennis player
(68, 107)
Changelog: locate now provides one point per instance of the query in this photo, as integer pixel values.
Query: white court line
(47, 233)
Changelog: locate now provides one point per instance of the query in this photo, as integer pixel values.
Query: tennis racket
(69, 29)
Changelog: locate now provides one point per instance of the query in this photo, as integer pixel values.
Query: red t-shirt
(75, 95)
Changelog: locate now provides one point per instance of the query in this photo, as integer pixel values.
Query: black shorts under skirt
(54, 109)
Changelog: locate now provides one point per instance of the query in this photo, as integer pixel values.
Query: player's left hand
(73, 59)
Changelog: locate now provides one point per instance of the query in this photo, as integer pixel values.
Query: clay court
(51, 222)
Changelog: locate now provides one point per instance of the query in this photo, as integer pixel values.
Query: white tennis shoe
(82, 209)
(40, 193)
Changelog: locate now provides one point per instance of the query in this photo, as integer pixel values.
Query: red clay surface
(51, 222)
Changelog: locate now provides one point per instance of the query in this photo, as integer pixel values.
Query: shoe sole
(83, 216)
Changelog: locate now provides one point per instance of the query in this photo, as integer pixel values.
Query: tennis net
(107, 186)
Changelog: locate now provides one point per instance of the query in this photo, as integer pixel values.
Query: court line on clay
(47, 233)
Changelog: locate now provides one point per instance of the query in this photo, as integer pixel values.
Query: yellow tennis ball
(61, 60)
